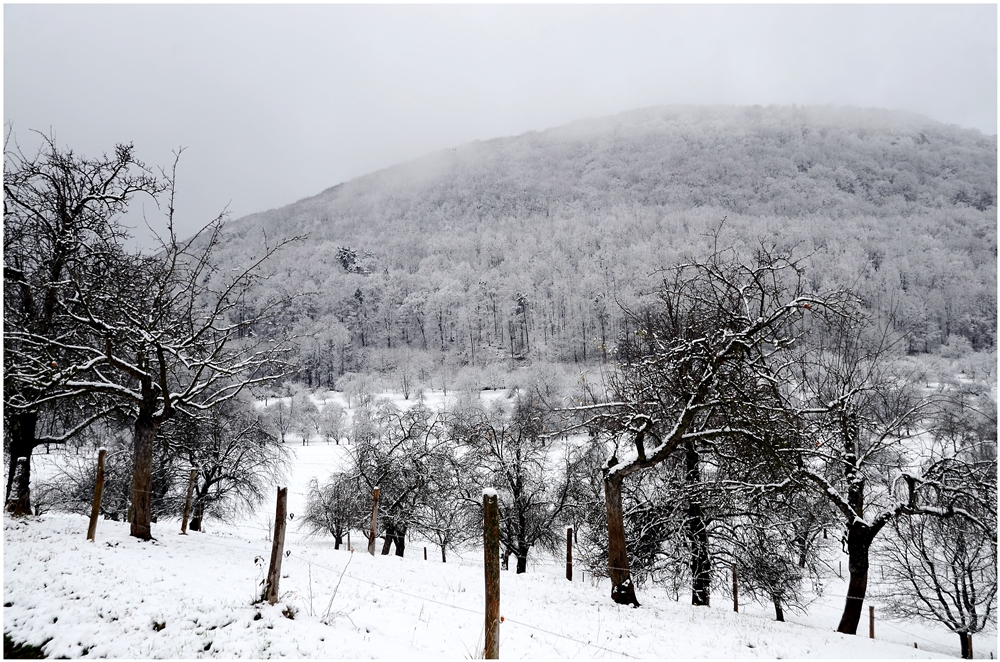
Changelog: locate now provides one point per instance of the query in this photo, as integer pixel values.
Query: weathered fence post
(569, 553)
(736, 590)
(277, 547)
(95, 509)
(871, 622)
(371, 536)
(349, 542)
(187, 502)
(425, 553)
(491, 565)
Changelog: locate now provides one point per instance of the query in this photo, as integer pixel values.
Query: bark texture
(622, 590)
(859, 539)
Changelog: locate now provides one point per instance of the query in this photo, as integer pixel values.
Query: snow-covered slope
(192, 596)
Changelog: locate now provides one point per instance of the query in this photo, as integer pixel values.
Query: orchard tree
(235, 458)
(513, 452)
(942, 566)
(391, 450)
(157, 334)
(693, 371)
(61, 227)
(335, 507)
(855, 409)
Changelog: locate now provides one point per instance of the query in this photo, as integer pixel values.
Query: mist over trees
(523, 249)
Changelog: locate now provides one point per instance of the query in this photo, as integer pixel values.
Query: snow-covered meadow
(191, 596)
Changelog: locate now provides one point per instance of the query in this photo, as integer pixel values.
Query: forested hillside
(522, 249)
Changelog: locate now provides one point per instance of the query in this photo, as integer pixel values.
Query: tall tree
(155, 334)
(61, 228)
(692, 372)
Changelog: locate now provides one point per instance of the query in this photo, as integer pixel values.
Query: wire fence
(251, 547)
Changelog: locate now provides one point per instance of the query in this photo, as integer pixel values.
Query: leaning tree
(694, 373)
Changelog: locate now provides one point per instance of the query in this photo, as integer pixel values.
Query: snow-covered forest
(741, 361)
(522, 249)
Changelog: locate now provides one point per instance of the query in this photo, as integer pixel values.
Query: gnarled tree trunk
(22, 442)
(142, 474)
(399, 539)
(859, 540)
(622, 590)
(697, 532)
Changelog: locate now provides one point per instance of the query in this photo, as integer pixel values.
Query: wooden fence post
(569, 553)
(187, 502)
(349, 542)
(277, 547)
(491, 565)
(425, 553)
(736, 590)
(871, 622)
(371, 536)
(95, 509)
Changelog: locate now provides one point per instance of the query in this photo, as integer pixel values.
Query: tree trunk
(390, 531)
(443, 558)
(399, 539)
(779, 613)
(966, 639)
(505, 561)
(197, 516)
(697, 531)
(22, 442)
(142, 472)
(622, 590)
(859, 538)
(522, 561)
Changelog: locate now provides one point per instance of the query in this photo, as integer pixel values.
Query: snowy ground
(193, 596)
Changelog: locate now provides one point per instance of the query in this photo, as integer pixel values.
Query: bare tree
(511, 452)
(942, 566)
(448, 513)
(855, 408)
(335, 507)
(942, 570)
(236, 459)
(61, 226)
(693, 372)
(391, 451)
(157, 334)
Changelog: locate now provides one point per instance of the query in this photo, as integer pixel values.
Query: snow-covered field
(193, 596)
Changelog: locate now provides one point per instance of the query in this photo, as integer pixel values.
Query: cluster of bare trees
(95, 332)
(749, 415)
(750, 423)
(430, 468)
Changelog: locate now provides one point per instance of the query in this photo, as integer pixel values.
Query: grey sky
(276, 102)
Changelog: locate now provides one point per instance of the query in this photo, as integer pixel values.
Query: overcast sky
(275, 103)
